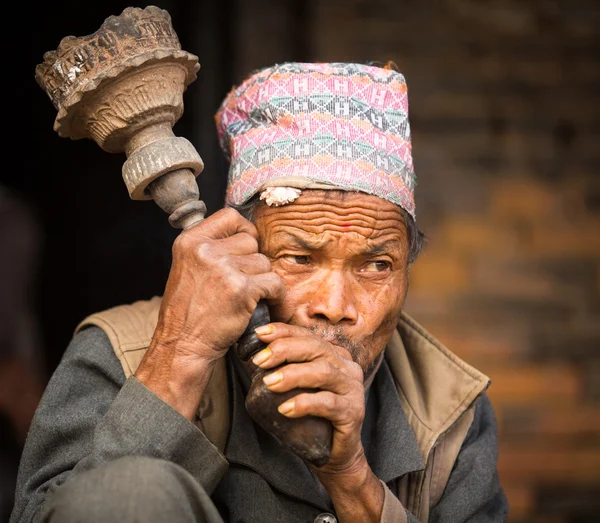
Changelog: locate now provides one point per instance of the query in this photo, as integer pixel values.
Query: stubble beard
(358, 351)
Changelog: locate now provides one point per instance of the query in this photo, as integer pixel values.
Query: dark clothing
(90, 415)
(132, 489)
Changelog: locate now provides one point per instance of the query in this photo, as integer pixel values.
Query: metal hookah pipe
(122, 87)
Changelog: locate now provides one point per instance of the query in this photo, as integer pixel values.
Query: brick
(543, 518)
(564, 283)
(591, 380)
(535, 385)
(580, 503)
(548, 72)
(474, 235)
(438, 274)
(476, 307)
(475, 344)
(574, 342)
(512, 198)
(520, 499)
(419, 304)
(548, 465)
(503, 278)
(567, 241)
(446, 104)
(567, 425)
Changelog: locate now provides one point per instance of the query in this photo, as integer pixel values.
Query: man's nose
(333, 300)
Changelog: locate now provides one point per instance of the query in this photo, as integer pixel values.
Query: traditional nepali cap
(322, 126)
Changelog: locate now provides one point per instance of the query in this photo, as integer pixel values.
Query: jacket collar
(435, 387)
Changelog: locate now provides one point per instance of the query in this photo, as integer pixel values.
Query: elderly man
(144, 419)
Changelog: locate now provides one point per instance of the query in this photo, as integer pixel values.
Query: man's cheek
(380, 301)
(389, 298)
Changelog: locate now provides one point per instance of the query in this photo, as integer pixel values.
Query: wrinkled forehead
(319, 214)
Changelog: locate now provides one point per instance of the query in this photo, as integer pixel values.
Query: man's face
(343, 257)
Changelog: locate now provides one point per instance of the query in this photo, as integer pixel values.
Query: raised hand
(217, 277)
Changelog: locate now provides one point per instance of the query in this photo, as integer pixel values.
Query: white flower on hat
(279, 195)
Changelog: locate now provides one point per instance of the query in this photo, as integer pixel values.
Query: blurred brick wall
(505, 117)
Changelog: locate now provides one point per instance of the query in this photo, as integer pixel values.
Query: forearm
(140, 423)
(90, 415)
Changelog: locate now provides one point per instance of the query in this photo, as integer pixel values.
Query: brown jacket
(437, 391)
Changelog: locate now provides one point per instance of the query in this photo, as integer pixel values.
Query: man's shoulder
(129, 329)
(127, 324)
(89, 352)
(424, 348)
(435, 386)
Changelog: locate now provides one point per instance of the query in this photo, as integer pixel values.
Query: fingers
(252, 263)
(342, 411)
(275, 330)
(266, 286)
(222, 224)
(292, 343)
(238, 244)
(317, 374)
(299, 349)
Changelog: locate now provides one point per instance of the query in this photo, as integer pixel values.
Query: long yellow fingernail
(287, 407)
(264, 330)
(261, 357)
(271, 379)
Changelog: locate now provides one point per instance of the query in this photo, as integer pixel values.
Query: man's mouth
(336, 337)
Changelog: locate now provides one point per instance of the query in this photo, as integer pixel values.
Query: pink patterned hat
(324, 125)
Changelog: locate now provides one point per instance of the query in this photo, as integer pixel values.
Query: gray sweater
(90, 414)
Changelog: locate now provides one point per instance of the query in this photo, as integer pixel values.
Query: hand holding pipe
(123, 86)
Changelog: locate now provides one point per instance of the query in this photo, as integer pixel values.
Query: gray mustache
(335, 335)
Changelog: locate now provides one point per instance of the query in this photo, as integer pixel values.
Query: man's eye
(298, 260)
(376, 266)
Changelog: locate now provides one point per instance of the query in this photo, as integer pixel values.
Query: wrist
(179, 379)
(355, 491)
(349, 479)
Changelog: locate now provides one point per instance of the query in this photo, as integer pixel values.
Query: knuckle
(329, 400)
(229, 213)
(253, 231)
(356, 411)
(356, 369)
(249, 304)
(278, 285)
(250, 241)
(232, 215)
(204, 252)
(303, 401)
(271, 285)
(276, 348)
(360, 412)
(182, 243)
(263, 262)
(326, 368)
(236, 283)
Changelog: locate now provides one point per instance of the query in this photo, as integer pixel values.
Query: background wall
(505, 116)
